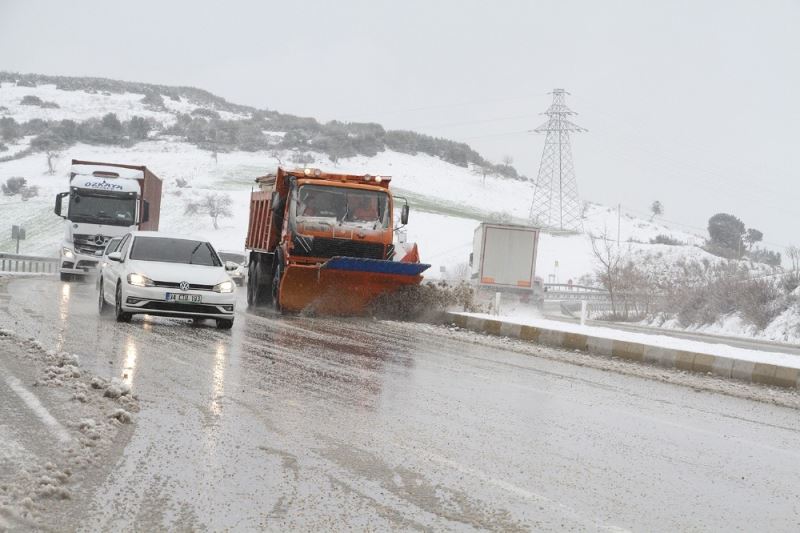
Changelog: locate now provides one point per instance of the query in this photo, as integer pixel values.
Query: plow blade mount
(344, 285)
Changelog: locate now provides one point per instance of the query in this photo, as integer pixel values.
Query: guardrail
(28, 263)
(564, 291)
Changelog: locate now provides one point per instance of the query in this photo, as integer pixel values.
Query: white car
(159, 274)
(236, 264)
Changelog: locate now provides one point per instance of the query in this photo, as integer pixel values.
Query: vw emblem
(99, 239)
(184, 285)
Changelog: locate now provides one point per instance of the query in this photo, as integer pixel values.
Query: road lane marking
(38, 409)
(513, 489)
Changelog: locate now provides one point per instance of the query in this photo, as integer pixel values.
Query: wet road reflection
(296, 423)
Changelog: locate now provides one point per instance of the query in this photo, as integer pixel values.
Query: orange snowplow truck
(325, 242)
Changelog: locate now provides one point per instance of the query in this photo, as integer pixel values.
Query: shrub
(203, 112)
(31, 99)
(154, 100)
(665, 239)
(14, 186)
(9, 129)
(759, 302)
(29, 192)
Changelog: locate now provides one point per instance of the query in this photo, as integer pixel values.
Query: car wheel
(224, 323)
(121, 315)
(102, 306)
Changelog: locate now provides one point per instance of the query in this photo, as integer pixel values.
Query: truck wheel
(259, 281)
(276, 283)
(66, 277)
(120, 315)
(252, 282)
(102, 307)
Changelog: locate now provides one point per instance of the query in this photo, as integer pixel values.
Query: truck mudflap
(344, 285)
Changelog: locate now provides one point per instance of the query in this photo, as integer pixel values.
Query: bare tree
(52, 156)
(212, 204)
(609, 260)
(483, 171)
(508, 160)
(276, 155)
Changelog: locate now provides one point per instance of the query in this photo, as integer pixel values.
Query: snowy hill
(448, 200)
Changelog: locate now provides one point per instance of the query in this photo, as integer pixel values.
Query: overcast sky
(693, 103)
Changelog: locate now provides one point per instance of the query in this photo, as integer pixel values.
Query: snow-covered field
(456, 201)
(81, 105)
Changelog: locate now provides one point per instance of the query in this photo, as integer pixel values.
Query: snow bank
(663, 341)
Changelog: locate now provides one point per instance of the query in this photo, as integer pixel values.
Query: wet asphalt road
(293, 423)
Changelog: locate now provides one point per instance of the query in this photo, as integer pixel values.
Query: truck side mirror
(145, 211)
(404, 214)
(59, 198)
(470, 258)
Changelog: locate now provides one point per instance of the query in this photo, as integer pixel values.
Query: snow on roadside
(782, 359)
(44, 475)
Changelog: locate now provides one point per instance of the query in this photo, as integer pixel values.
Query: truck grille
(89, 244)
(324, 247)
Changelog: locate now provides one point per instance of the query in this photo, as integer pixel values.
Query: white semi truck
(104, 200)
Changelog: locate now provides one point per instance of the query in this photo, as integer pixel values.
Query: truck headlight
(225, 286)
(139, 280)
(67, 253)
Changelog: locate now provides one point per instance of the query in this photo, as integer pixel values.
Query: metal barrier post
(583, 312)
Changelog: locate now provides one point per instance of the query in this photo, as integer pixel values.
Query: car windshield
(169, 250)
(345, 206)
(103, 209)
(236, 258)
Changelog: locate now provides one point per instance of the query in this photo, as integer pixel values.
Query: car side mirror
(230, 266)
(404, 214)
(115, 256)
(59, 199)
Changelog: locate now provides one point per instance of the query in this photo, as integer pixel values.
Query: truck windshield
(167, 250)
(102, 209)
(343, 205)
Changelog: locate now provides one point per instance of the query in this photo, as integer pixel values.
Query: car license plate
(184, 298)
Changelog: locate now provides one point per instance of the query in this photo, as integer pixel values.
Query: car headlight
(225, 286)
(66, 252)
(140, 281)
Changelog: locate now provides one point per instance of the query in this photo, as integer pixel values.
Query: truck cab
(103, 201)
(326, 241)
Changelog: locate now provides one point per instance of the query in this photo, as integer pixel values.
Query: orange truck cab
(325, 242)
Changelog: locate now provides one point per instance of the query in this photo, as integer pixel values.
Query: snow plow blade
(344, 285)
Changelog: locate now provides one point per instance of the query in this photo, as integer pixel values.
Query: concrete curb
(726, 367)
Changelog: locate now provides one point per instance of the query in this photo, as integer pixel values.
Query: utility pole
(619, 219)
(556, 176)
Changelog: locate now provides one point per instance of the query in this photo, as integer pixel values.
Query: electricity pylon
(556, 204)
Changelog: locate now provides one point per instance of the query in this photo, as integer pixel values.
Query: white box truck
(503, 260)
